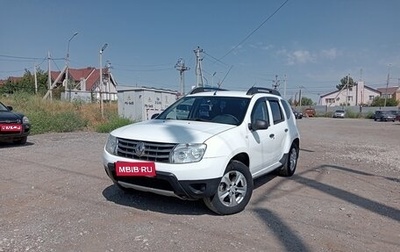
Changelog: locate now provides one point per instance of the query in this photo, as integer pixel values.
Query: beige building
(357, 95)
(390, 92)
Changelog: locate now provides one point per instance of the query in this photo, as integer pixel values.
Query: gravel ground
(344, 196)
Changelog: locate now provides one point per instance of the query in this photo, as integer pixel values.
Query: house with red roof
(84, 84)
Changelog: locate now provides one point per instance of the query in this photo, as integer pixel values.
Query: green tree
(27, 83)
(344, 81)
(306, 101)
(380, 102)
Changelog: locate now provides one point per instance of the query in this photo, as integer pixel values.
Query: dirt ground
(344, 196)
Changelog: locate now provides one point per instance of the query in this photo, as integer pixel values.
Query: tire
(289, 167)
(234, 190)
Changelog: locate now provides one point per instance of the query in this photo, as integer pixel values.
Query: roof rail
(205, 89)
(255, 90)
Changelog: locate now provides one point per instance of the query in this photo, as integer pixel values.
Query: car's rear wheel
(234, 190)
(289, 167)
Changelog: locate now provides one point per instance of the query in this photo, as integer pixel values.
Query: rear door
(278, 130)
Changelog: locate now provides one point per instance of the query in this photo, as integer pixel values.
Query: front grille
(157, 152)
(11, 121)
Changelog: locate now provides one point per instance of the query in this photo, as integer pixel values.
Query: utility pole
(101, 80)
(67, 86)
(347, 89)
(387, 86)
(300, 97)
(35, 75)
(199, 74)
(49, 76)
(180, 66)
(276, 83)
(284, 87)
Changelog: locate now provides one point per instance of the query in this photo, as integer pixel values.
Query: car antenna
(220, 83)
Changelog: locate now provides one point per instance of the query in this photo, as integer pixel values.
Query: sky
(306, 45)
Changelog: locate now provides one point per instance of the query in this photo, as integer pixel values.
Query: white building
(357, 95)
(140, 103)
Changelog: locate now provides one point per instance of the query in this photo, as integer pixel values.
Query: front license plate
(11, 127)
(129, 169)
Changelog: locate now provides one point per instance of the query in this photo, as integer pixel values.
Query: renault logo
(139, 149)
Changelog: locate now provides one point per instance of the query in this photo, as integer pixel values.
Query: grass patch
(62, 116)
(113, 123)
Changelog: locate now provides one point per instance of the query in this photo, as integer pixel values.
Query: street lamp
(67, 63)
(101, 80)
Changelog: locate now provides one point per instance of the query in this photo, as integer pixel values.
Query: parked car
(340, 113)
(396, 114)
(384, 116)
(309, 112)
(14, 127)
(213, 151)
(397, 117)
(297, 114)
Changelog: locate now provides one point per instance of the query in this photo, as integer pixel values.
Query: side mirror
(10, 108)
(258, 125)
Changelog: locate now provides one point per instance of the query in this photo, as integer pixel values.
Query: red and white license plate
(129, 169)
(11, 127)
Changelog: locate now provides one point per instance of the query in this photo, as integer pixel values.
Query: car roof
(253, 91)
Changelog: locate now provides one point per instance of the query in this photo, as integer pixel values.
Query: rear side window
(286, 107)
(277, 114)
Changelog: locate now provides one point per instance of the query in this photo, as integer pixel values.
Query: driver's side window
(260, 111)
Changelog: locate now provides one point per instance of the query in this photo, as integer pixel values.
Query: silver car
(340, 113)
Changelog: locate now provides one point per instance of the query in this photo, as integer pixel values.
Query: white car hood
(171, 131)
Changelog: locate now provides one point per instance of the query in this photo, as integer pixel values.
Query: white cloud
(331, 53)
(300, 57)
(306, 56)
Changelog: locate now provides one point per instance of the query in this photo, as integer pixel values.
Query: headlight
(112, 144)
(188, 153)
(25, 120)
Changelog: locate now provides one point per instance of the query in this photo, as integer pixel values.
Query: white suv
(211, 144)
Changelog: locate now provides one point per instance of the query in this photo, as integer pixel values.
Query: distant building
(84, 84)
(141, 103)
(357, 95)
(390, 92)
(11, 79)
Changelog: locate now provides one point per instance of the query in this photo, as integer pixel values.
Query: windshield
(3, 108)
(227, 110)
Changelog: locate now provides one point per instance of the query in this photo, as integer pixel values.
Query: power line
(19, 57)
(258, 27)
(27, 58)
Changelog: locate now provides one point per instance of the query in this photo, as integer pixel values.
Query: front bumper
(11, 135)
(166, 183)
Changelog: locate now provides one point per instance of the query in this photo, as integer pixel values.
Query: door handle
(272, 135)
(286, 130)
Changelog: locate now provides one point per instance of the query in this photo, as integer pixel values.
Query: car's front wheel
(234, 190)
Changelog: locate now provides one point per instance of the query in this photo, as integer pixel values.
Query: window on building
(349, 98)
(371, 97)
(330, 100)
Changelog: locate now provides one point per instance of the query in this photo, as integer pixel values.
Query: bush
(112, 123)
(351, 114)
(62, 116)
